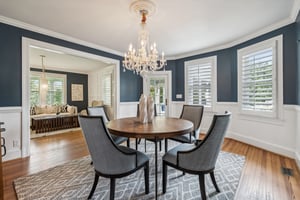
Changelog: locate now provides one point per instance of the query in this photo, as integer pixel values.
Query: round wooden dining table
(159, 128)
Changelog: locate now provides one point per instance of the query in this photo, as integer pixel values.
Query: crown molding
(238, 41)
(295, 10)
(61, 36)
(289, 20)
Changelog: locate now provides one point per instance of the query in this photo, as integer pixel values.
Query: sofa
(95, 103)
(48, 110)
(53, 117)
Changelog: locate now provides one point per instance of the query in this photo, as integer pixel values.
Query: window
(34, 90)
(56, 92)
(107, 88)
(200, 84)
(259, 66)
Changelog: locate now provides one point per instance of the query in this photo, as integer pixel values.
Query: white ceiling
(178, 27)
(62, 61)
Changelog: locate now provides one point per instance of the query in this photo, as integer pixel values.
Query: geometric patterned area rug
(74, 179)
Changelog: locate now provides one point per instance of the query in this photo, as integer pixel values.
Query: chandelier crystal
(146, 57)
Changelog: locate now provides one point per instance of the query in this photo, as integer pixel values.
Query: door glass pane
(158, 92)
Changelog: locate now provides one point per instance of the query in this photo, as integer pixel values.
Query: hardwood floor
(262, 177)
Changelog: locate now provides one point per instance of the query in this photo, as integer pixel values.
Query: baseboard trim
(262, 144)
(12, 154)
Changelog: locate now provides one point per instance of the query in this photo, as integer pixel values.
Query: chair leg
(160, 145)
(112, 188)
(146, 177)
(212, 176)
(145, 145)
(94, 186)
(128, 142)
(166, 145)
(136, 144)
(202, 186)
(164, 176)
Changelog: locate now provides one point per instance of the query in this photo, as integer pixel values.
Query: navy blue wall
(73, 78)
(11, 65)
(227, 67)
(131, 85)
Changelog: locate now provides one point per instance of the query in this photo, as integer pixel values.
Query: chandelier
(146, 57)
(44, 81)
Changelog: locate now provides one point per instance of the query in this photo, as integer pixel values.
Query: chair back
(107, 158)
(204, 156)
(97, 111)
(193, 113)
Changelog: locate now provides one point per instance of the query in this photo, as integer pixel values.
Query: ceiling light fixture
(146, 58)
(44, 81)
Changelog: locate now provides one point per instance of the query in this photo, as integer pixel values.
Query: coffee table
(54, 122)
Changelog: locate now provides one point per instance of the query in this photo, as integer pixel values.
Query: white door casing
(167, 76)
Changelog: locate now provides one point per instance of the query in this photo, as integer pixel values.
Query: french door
(158, 85)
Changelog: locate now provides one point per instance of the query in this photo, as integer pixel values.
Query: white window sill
(261, 119)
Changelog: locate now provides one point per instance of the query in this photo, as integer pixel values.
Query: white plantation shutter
(34, 90)
(257, 81)
(199, 81)
(260, 78)
(107, 89)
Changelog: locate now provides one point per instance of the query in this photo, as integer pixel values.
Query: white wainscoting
(278, 136)
(298, 137)
(11, 116)
(281, 136)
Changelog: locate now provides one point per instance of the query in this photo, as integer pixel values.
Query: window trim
(276, 43)
(53, 75)
(213, 61)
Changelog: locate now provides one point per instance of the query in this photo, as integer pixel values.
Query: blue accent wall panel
(171, 66)
(131, 86)
(226, 76)
(11, 65)
(74, 78)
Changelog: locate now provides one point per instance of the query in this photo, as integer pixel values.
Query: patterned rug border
(46, 184)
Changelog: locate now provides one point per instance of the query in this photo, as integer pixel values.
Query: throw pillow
(64, 108)
(71, 109)
(38, 110)
(32, 110)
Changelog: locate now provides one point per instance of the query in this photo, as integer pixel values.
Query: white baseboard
(12, 154)
(262, 144)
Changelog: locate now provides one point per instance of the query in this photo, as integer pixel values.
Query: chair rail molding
(297, 153)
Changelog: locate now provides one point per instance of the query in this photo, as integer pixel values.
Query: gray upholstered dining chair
(110, 160)
(193, 113)
(199, 158)
(100, 111)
